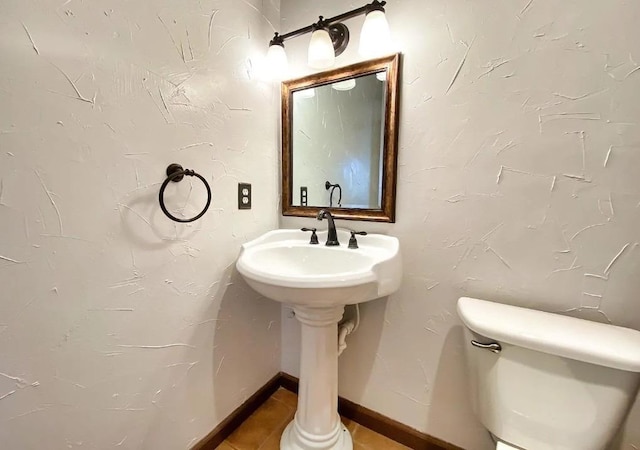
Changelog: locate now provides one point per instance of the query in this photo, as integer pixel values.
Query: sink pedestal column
(317, 424)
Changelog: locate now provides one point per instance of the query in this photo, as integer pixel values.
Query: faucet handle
(314, 236)
(353, 242)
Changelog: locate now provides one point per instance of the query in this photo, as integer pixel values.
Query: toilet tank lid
(569, 337)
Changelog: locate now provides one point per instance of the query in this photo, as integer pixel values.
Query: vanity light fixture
(329, 38)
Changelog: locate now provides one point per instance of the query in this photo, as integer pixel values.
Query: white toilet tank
(545, 381)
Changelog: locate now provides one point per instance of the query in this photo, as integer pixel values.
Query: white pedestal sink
(318, 281)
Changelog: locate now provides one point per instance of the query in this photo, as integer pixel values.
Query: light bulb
(375, 38)
(321, 52)
(277, 62)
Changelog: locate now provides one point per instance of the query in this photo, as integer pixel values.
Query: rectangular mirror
(339, 142)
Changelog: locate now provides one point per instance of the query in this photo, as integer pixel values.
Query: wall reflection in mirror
(337, 160)
(339, 141)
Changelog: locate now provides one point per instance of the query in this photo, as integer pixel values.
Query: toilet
(542, 381)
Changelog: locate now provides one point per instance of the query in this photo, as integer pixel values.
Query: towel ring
(175, 173)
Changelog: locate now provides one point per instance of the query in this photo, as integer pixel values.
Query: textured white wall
(119, 328)
(518, 182)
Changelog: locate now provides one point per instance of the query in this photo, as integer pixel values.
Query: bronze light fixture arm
(278, 39)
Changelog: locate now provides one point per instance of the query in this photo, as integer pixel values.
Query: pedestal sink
(318, 281)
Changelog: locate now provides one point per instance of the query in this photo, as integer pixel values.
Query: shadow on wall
(229, 375)
(451, 404)
(355, 371)
(226, 343)
(627, 432)
(145, 224)
(239, 344)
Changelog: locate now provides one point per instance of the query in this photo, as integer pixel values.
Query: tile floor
(262, 430)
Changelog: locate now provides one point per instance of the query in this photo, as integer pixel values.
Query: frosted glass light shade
(321, 52)
(344, 85)
(277, 63)
(375, 38)
(306, 93)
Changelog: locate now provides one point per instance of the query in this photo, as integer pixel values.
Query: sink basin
(283, 266)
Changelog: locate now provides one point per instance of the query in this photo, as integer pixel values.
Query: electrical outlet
(244, 195)
(303, 196)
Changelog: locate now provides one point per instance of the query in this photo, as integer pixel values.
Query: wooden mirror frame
(390, 148)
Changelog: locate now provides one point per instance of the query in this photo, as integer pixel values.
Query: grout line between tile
(277, 428)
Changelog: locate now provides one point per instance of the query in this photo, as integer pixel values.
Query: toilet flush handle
(493, 346)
